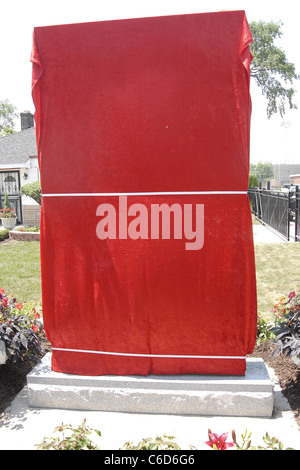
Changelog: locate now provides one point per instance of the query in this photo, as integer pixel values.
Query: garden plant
(19, 328)
(287, 326)
(77, 438)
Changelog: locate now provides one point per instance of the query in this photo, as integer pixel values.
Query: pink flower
(292, 294)
(218, 442)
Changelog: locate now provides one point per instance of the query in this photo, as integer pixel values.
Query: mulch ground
(287, 373)
(13, 376)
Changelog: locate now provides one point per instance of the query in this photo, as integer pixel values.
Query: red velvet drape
(152, 105)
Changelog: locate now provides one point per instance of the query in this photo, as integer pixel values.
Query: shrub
(32, 190)
(6, 202)
(287, 327)
(253, 181)
(18, 331)
(4, 234)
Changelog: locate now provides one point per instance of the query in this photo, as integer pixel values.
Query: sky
(276, 139)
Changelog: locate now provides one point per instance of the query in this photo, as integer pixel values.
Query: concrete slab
(249, 395)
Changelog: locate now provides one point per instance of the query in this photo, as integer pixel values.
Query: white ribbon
(155, 193)
(174, 356)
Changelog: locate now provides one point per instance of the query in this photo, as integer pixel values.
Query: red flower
(35, 328)
(292, 294)
(218, 442)
(37, 315)
(4, 300)
(19, 306)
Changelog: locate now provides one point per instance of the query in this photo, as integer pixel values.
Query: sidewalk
(263, 234)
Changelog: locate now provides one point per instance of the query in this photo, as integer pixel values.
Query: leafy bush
(4, 234)
(287, 327)
(19, 331)
(32, 190)
(253, 181)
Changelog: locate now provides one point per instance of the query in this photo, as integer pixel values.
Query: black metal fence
(297, 214)
(277, 210)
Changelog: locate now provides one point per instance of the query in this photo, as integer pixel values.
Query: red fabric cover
(146, 105)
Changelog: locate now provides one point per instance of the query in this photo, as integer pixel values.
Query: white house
(18, 166)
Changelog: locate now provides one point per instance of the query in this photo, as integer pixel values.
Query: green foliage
(287, 328)
(34, 228)
(6, 202)
(159, 443)
(77, 440)
(4, 234)
(8, 212)
(8, 112)
(32, 190)
(261, 171)
(17, 330)
(271, 443)
(264, 329)
(253, 182)
(270, 67)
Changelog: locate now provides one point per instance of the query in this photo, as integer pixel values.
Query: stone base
(249, 395)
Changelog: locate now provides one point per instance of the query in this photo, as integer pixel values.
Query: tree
(253, 181)
(8, 112)
(262, 171)
(270, 67)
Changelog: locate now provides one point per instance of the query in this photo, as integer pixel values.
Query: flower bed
(20, 326)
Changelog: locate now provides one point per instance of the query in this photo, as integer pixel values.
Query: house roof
(15, 149)
(284, 171)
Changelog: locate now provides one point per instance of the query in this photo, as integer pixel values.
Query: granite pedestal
(249, 395)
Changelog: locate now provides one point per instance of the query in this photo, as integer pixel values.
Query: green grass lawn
(277, 271)
(20, 273)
